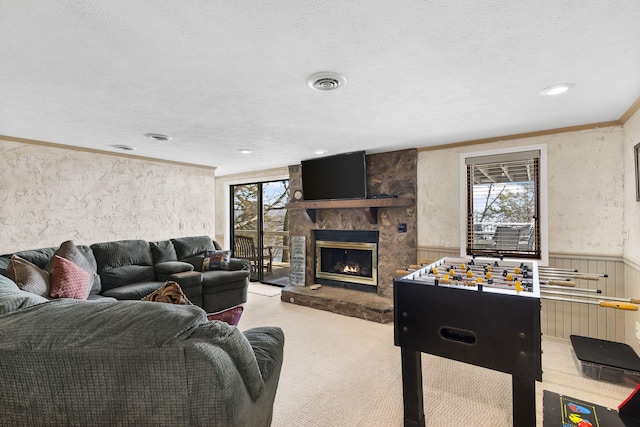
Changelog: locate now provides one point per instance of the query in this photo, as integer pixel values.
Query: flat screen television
(342, 176)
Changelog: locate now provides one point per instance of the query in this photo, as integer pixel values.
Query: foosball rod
(595, 291)
(607, 304)
(560, 283)
(568, 277)
(570, 273)
(597, 296)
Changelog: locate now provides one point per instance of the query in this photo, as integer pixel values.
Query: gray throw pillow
(28, 276)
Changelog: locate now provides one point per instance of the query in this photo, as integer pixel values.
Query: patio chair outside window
(244, 247)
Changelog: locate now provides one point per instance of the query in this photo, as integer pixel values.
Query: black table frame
(468, 326)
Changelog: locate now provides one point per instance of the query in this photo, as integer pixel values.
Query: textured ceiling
(218, 76)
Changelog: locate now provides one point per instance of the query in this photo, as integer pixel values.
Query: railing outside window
(503, 192)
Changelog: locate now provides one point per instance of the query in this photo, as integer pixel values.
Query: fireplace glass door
(348, 262)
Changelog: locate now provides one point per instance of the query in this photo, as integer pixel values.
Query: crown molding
(95, 151)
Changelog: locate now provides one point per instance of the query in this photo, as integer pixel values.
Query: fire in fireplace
(347, 259)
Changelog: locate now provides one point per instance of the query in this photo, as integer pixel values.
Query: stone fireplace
(392, 222)
(347, 259)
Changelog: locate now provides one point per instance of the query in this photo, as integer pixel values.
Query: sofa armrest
(164, 270)
(187, 279)
(171, 267)
(239, 264)
(268, 345)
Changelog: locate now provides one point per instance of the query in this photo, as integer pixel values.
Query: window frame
(542, 191)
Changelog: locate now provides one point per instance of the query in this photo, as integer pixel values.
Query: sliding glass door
(260, 229)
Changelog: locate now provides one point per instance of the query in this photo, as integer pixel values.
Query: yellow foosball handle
(619, 305)
(562, 283)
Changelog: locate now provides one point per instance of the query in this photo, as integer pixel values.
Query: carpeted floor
(341, 371)
(262, 289)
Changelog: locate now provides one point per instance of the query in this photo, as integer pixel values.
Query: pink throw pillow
(230, 316)
(68, 280)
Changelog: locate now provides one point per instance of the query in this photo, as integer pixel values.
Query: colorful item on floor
(565, 411)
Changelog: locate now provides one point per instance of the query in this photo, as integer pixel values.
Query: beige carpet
(265, 290)
(341, 371)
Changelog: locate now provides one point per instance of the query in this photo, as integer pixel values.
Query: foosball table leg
(524, 402)
(412, 388)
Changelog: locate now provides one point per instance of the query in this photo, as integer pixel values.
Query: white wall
(632, 207)
(586, 198)
(50, 194)
(631, 227)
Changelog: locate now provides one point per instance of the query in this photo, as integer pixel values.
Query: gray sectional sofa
(112, 359)
(131, 269)
(69, 362)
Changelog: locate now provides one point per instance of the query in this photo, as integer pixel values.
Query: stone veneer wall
(391, 173)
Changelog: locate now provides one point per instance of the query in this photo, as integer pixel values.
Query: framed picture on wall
(636, 152)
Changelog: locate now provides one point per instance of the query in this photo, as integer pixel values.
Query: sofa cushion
(170, 292)
(28, 276)
(71, 324)
(71, 252)
(163, 251)
(38, 257)
(125, 275)
(134, 291)
(68, 280)
(216, 260)
(96, 288)
(187, 247)
(120, 253)
(12, 298)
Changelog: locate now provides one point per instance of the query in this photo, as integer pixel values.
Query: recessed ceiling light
(557, 89)
(245, 151)
(326, 81)
(124, 147)
(320, 152)
(157, 137)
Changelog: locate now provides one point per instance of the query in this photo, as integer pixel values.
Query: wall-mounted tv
(342, 176)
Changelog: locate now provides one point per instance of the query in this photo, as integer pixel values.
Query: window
(503, 212)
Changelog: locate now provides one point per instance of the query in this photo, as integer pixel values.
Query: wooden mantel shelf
(370, 206)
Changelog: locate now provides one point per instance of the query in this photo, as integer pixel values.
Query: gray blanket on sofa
(68, 362)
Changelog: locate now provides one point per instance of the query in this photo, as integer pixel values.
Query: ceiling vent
(124, 147)
(326, 81)
(157, 137)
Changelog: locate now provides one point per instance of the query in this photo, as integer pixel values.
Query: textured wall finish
(631, 225)
(48, 195)
(391, 173)
(585, 189)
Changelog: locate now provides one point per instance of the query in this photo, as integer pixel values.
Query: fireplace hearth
(347, 259)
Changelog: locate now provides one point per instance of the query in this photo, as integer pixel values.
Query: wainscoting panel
(561, 319)
(632, 285)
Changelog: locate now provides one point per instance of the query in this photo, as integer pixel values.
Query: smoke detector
(326, 81)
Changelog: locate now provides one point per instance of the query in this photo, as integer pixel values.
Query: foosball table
(481, 311)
